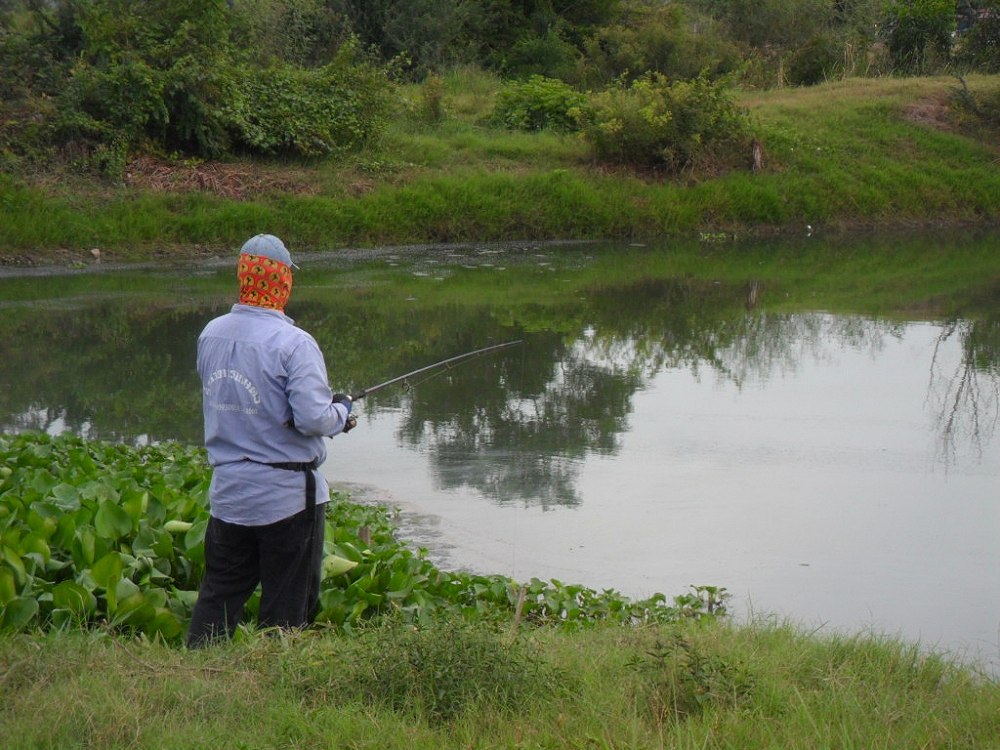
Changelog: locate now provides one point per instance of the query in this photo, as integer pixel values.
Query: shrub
(815, 61)
(310, 112)
(919, 31)
(545, 54)
(665, 39)
(683, 676)
(537, 104)
(443, 671)
(671, 125)
(431, 99)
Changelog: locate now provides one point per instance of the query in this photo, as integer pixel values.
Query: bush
(663, 39)
(815, 61)
(537, 104)
(443, 671)
(310, 112)
(670, 125)
(541, 55)
(919, 33)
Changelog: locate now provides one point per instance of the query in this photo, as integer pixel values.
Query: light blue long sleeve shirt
(260, 375)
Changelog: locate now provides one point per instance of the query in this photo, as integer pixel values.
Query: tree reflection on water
(516, 425)
(965, 396)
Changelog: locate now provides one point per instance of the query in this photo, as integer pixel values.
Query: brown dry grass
(232, 180)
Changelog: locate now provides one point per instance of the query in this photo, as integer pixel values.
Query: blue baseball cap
(268, 246)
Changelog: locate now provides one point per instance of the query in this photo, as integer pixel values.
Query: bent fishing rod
(447, 363)
(352, 421)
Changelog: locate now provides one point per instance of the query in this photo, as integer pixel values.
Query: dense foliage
(104, 534)
(92, 82)
(656, 122)
(538, 103)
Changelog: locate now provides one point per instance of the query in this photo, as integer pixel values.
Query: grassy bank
(461, 686)
(869, 153)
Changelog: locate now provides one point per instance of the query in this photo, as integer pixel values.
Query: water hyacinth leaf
(18, 613)
(186, 598)
(333, 565)
(43, 481)
(134, 502)
(8, 585)
(34, 544)
(12, 559)
(107, 571)
(111, 521)
(195, 537)
(43, 518)
(84, 546)
(66, 496)
(74, 598)
(134, 610)
(63, 619)
(165, 624)
(65, 529)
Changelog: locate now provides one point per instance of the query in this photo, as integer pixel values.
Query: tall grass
(765, 685)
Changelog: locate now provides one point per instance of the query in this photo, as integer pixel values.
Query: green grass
(844, 155)
(763, 685)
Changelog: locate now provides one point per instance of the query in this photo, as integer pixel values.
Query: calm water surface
(660, 427)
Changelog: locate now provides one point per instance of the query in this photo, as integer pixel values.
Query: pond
(810, 424)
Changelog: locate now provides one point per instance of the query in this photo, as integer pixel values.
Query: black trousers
(284, 558)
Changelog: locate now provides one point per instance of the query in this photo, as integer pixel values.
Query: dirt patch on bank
(235, 181)
(934, 112)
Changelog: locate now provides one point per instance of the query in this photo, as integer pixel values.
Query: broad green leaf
(43, 518)
(134, 610)
(72, 596)
(43, 481)
(18, 613)
(125, 589)
(63, 619)
(66, 496)
(334, 565)
(65, 529)
(84, 546)
(166, 624)
(111, 521)
(33, 543)
(107, 571)
(196, 535)
(13, 559)
(134, 502)
(8, 585)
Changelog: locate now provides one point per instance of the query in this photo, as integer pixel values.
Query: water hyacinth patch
(103, 534)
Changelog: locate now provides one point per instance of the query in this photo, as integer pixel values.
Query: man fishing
(267, 407)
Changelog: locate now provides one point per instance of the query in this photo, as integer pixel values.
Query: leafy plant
(95, 533)
(667, 38)
(310, 112)
(537, 104)
(681, 676)
(443, 671)
(656, 122)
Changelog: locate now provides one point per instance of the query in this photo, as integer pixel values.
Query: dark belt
(306, 468)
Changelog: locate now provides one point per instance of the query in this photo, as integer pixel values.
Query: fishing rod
(443, 363)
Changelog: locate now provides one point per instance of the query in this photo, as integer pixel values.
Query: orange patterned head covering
(264, 282)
